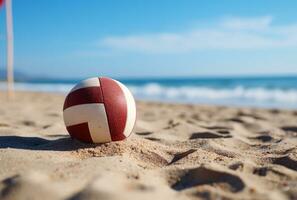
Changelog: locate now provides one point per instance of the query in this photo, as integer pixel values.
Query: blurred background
(225, 52)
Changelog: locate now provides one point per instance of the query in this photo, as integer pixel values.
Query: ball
(99, 110)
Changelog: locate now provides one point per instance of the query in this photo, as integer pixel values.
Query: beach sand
(175, 152)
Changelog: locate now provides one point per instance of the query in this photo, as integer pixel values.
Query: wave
(192, 92)
(239, 95)
(236, 95)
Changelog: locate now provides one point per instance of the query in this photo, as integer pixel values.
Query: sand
(175, 152)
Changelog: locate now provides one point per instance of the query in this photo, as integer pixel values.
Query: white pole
(9, 29)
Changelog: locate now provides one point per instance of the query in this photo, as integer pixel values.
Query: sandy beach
(175, 152)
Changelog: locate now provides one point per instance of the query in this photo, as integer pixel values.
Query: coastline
(177, 151)
(262, 92)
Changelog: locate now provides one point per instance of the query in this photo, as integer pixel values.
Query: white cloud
(228, 33)
(252, 23)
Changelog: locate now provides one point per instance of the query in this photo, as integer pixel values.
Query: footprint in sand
(20, 187)
(190, 178)
(286, 161)
(207, 135)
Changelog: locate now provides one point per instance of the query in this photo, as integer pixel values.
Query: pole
(9, 29)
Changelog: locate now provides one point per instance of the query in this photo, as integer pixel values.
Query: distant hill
(23, 77)
(19, 76)
(2, 74)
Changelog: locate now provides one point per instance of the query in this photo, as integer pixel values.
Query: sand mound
(30, 186)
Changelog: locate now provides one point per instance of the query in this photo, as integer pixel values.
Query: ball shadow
(37, 143)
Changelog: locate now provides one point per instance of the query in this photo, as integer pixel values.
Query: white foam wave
(195, 94)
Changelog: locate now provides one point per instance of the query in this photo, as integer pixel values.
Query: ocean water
(271, 92)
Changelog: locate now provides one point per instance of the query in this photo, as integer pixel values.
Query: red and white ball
(99, 110)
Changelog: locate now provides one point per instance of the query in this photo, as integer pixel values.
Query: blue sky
(138, 38)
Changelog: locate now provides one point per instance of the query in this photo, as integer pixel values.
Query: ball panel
(131, 110)
(99, 129)
(84, 113)
(80, 132)
(116, 107)
(83, 96)
(90, 82)
(94, 115)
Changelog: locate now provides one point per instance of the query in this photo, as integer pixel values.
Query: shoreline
(263, 94)
(172, 102)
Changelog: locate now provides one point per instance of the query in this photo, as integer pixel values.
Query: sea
(265, 92)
